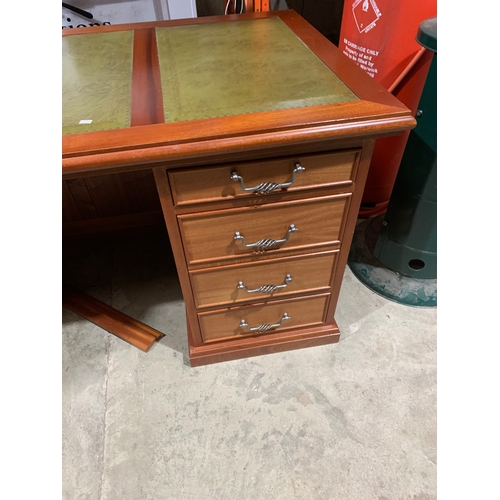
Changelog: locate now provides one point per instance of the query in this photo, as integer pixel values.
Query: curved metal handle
(266, 288)
(267, 187)
(265, 326)
(266, 243)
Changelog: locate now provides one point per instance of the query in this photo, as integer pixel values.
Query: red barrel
(379, 35)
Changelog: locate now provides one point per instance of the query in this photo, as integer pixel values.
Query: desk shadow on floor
(136, 277)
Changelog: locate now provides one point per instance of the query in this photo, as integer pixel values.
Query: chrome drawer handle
(266, 243)
(267, 187)
(266, 288)
(265, 326)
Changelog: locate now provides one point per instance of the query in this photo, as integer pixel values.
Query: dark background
(324, 15)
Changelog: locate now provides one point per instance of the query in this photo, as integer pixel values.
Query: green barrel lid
(427, 34)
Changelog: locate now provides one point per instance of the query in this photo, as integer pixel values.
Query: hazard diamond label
(366, 14)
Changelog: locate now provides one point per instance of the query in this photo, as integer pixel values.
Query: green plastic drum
(407, 242)
(395, 254)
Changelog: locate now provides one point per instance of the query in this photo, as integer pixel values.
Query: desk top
(173, 86)
(206, 71)
(97, 81)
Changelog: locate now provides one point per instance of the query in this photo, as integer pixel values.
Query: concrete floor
(353, 420)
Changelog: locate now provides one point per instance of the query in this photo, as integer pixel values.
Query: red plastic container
(379, 35)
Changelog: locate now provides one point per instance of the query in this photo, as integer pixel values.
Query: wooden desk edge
(146, 157)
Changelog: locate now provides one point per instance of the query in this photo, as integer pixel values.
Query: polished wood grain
(245, 347)
(210, 235)
(225, 323)
(165, 195)
(201, 184)
(113, 321)
(147, 105)
(77, 201)
(218, 287)
(113, 202)
(351, 217)
(212, 137)
(132, 225)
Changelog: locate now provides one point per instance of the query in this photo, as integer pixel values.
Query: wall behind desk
(216, 7)
(126, 11)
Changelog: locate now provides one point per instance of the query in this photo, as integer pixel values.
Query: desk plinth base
(256, 346)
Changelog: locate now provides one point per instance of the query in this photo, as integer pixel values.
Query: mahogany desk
(252, 136)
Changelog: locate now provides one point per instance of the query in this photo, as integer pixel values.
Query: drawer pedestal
(261, 271)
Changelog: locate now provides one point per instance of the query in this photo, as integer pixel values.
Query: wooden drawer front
(224, 324)
(218, 287)
(214, 183)
(211, 235)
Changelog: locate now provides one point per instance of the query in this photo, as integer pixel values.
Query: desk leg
(128, 329)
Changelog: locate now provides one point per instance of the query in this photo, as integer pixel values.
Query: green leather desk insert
(222, 69)
(96, 81)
